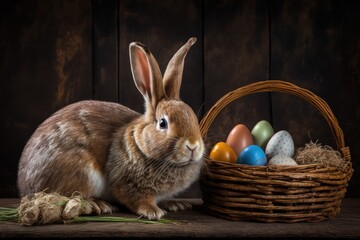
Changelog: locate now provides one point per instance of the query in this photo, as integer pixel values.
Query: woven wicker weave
(302, 193)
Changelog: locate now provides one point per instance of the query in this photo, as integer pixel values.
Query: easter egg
(280, 143)
(261, 133)
(282, 160)
(239, 138)
(252, 155)
(223, 152)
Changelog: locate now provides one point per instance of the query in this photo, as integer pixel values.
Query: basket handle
(283, 87)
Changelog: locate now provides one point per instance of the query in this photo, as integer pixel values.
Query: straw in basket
(302, 193)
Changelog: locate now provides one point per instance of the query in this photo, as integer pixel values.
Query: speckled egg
(280, 143)
(282, 160)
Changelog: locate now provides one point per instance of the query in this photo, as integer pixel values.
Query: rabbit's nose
(191, 144)
(192, 147)
(195, 147)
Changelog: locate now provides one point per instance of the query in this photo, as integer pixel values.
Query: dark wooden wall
(53, 53)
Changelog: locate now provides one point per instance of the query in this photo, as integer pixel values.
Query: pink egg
(239, 138)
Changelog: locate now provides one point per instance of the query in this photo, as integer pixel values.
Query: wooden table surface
(195, 224)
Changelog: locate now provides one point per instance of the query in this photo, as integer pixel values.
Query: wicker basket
(302, 193)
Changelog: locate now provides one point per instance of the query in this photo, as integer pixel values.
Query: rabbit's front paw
(175, 205)
(151, 212)
(99, 207)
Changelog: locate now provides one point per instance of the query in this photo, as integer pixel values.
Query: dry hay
(316, 153)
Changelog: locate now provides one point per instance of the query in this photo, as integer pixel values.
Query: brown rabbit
(111, 153)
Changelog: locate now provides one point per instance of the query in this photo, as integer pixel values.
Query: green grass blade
(120, 219)
(9, 214)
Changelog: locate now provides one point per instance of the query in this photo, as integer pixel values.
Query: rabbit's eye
(163, 123)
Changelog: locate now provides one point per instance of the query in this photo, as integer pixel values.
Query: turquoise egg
(253, 155)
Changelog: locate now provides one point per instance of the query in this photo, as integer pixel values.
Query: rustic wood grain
(105, 50)
(45, 64)
(236, 53)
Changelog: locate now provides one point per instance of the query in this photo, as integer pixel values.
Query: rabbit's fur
(111, 153)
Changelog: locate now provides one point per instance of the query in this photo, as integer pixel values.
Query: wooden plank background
(53, 53)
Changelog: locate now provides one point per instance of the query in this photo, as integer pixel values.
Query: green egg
(261, 133)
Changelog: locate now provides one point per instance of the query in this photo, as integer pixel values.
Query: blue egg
(253, 155)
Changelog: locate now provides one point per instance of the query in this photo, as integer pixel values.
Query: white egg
(282, 160)
(280, 143)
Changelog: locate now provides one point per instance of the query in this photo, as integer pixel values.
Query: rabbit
(118, 156)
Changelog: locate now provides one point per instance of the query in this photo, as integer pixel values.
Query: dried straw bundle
(44, 208)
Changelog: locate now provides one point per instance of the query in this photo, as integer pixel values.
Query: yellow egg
(223, 152)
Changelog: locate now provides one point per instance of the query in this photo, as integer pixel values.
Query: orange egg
(239, 138)
(223, 152)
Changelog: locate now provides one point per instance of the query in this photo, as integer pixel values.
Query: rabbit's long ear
(174, 70)
(146, 73)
